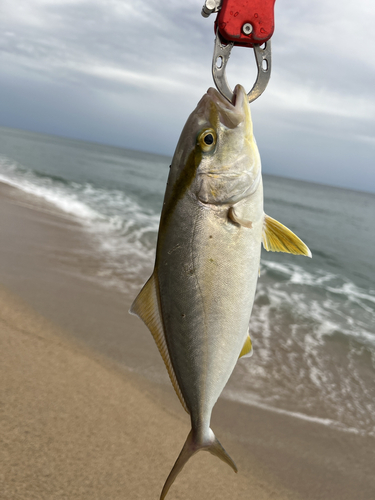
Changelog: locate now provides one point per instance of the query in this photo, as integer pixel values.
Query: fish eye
(207, 140)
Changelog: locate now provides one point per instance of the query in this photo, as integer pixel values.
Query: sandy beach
(79, 421)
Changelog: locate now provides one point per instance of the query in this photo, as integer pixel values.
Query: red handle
(246, 22)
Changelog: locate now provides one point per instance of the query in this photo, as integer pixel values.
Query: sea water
(313, 322)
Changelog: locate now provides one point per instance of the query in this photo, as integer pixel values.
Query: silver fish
(198, 301)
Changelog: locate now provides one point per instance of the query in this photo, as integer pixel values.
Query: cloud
(151, 62)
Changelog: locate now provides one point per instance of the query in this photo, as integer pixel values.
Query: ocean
(313, 322)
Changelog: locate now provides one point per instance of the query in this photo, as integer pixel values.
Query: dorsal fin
(278, 238)
(247, 349)
(146, 306)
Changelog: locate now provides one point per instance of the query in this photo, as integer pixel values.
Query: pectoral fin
(146, 307)
(247, 349)
(233, 216)
(278, 238)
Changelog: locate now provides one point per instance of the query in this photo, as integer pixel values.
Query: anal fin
(146, 306)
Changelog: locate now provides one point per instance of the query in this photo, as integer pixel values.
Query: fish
(198, 301)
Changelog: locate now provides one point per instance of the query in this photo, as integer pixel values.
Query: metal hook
(220, 59)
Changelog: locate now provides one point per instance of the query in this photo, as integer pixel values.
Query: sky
(128, 73)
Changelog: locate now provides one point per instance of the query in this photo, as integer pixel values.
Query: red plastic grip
(234, 14)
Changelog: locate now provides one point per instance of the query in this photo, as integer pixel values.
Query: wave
(314, 349)
(331, 300)
(46, 188)
(122, 231)
(328, 422)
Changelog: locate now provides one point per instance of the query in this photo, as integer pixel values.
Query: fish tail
(196, 442)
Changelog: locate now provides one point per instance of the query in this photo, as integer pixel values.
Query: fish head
(217, 154)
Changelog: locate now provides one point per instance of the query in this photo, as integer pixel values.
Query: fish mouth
(231, 114)
(238, 98)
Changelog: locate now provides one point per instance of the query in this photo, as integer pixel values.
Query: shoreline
(44, 262)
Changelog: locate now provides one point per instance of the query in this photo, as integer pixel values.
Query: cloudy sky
(128, 73)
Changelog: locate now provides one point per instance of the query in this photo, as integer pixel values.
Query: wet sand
(78, 419)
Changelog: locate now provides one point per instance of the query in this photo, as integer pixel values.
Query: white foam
(314, 299)
(123, 233)
(352, 292)
(60, 198)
